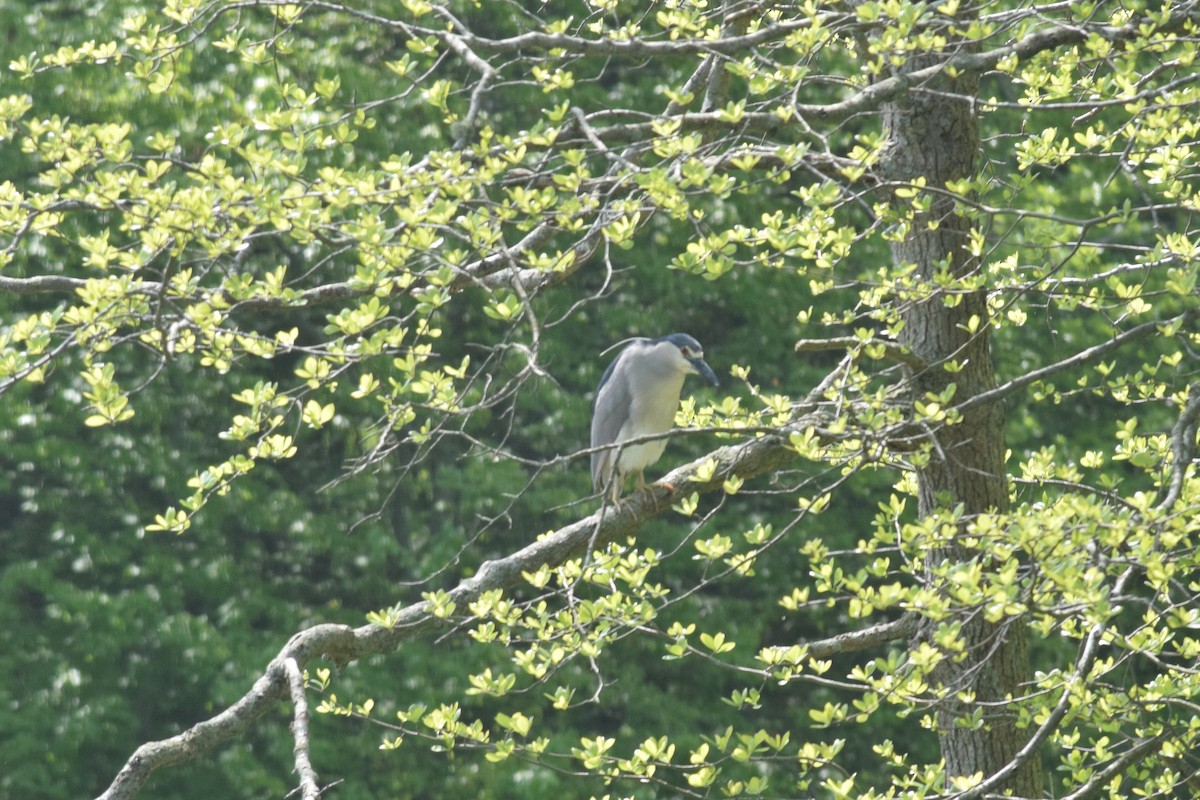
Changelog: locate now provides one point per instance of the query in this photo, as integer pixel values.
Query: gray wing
(609, 413)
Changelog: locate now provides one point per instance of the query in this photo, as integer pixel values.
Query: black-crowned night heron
(638, 396)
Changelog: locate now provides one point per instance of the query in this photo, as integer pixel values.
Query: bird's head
(690, 356)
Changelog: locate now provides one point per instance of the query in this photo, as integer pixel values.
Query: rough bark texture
(935, 134)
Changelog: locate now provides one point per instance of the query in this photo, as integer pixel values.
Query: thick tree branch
(42, 284)
(642, 48)
(474, 48)
(854, 641)
(343, 644)
(203, 736)
(872, 96)
(538, 41)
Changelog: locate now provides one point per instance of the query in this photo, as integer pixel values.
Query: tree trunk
(935, 135)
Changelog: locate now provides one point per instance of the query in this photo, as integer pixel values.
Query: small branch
(1076, 486)
(487, 75)
(1079, 359)
(1098, 781)
(502, 260)
(590, 134)
(41, 361)
(532, 279)
(716, 93)
(698, 77)
(309, 789)
(893, 350)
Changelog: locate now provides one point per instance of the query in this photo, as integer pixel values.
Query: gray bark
(935, 134)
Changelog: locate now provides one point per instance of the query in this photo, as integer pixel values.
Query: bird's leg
(641, 480)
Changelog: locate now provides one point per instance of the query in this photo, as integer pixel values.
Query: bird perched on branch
(637, 397)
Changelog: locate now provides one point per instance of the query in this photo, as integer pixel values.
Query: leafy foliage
(301, 302)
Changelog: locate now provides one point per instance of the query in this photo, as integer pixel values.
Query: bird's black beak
(705, 371)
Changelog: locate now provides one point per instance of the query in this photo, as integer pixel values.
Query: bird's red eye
(686, 352)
